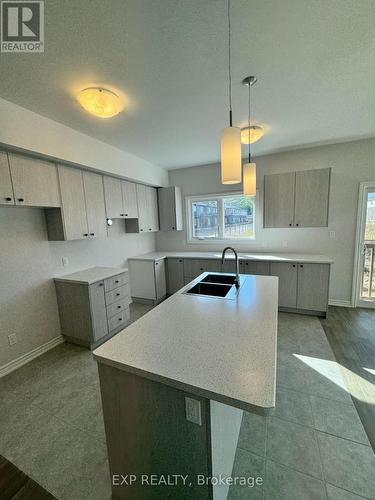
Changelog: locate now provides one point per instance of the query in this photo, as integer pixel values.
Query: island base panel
(148, 434)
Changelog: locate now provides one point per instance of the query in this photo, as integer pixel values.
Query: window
(221, 217)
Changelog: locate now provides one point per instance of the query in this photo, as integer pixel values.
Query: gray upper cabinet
(35, 182)
(6, 188)
(82, 213)
(312, 288)
(74, 219)
(95, 206)
(147, 209)
(129, 199)
(287, 274)
(297, 199)
(170, 208)
(279, 200)
(312, 198)
(113, 198)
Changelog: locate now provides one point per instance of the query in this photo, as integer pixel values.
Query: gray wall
(351, 163)
(28, 261)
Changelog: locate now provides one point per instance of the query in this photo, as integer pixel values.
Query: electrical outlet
(65, 261)
(332, 235)
(193, 411)
(12, 339)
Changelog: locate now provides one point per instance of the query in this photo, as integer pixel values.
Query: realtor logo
(22, 26)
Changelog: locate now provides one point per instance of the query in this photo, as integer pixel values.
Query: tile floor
(312, 446)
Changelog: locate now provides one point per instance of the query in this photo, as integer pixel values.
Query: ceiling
(168, 59)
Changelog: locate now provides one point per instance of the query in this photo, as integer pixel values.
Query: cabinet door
(35, 182)
(143, 215)
(192, 268)
(6, 188)
(210, 265)
(287, 274)
(175, 275)
(113, 198)
(279, 200)
(254, 267)
(160, 281)
(129, 198)
(95, 206)
(152, 197)
(98, 310)
(313, 283)
(312, 198)
(73, 203)
(167, 208)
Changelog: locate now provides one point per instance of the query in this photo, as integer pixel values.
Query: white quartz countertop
(217, 348)
(91, 275)
(269, 257)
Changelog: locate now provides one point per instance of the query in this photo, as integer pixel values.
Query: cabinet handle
(297, 224)
(92, 234)
(126, 215)
(173, 228)
(118, 307)
(100, 284)
(156, 263)
(122, 215)
(117, 294)
(149, 229)
(180, 261)
(201, 268)
(301, 265)
(120, 319)
(141, 229)
(21, 199)
(85, 234)
(8, 198)
(290, 223)
(294, 265)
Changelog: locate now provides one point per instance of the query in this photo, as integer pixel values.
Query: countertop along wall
(351, 163)
(28, 263)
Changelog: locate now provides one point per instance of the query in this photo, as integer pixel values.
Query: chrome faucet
(237, 280)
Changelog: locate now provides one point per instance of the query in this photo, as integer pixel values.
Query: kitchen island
(174, 385)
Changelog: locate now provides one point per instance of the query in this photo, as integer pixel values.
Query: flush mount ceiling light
(100, 102)
(231, 169)
(252, 134)
(249, 169)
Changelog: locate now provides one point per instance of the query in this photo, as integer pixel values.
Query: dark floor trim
(15, 485)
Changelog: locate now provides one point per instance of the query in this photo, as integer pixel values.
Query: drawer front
(120, 293)
(115, 281)
(121, 319)
(117, 307)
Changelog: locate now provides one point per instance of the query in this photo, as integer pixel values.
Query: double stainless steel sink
(215, 285)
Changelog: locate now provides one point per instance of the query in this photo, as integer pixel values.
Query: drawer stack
(93, 304)
(117, 299)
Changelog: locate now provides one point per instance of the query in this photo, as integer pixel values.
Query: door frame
(358, 253)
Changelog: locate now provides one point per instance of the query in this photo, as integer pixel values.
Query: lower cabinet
(90, 314)
(147, 280)
(195, 267)
(175, 275)
(254, 267)
(302, 286)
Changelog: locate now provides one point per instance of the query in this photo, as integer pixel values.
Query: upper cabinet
(120, 199)
(170, 208)
(312, 198)
(6, 188)
(148, 219)
(279, 200)
(297, 199)
(82, 213)
(28, 182)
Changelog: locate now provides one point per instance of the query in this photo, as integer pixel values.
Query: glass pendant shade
(100, 102)
(231, 161)
(250, 179)
(252, 134)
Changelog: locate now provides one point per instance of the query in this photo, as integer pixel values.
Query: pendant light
(231, 171)
(249, 169)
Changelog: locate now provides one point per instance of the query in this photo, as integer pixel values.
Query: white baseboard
(29, 356)
(340, 303)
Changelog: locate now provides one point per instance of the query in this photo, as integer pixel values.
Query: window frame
(189, 200)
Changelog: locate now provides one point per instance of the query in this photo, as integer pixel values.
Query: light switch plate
(193, 411)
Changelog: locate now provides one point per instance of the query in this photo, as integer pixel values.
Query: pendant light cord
(249, 122)
(229, 66)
